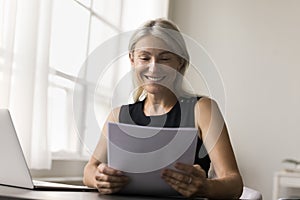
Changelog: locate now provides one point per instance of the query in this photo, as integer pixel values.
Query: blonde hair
(170, 34)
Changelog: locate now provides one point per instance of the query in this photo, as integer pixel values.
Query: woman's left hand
(188, 180)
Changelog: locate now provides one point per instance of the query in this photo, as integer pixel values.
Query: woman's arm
(213, 131)
(89, 173)
(190, 180)
(96, 172)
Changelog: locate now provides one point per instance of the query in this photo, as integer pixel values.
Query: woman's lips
(154, 78)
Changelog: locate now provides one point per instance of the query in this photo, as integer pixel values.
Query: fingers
(176, 177)
(185, 191)
(108, 174)
(107, 185)
(195, 170)
(188, 180)
(108, 191)
(185, 172)
(184, 188)
(175, 182)
(109, 180)
(103, 168)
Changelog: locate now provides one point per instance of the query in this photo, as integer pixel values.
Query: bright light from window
(69, 36)
(135, 14)
(57, 128)
(1, 76)
(99, 29)
(71, 40)
(1, 61)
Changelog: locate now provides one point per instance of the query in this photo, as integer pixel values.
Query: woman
(159, 58)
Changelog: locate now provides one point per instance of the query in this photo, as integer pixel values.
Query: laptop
(142, 152)
(13, 169)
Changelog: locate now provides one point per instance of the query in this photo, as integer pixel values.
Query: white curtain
(25, 37)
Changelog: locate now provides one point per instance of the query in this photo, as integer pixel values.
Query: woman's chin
(156, 89)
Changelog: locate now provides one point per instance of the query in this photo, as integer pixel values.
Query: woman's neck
(159, 104)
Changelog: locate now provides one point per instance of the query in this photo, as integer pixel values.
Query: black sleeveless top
(181, 115)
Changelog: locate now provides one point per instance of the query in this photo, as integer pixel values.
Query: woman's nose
(153, 65)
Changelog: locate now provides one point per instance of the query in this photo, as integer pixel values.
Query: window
(78, 28)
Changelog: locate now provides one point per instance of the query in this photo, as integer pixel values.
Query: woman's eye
(144, 58)
(165, 59)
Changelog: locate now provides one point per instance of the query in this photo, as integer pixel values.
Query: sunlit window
(78, 28)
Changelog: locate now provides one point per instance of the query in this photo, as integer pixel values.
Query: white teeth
(154, 78)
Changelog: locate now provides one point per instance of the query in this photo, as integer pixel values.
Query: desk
(7, 192)
(285, 179)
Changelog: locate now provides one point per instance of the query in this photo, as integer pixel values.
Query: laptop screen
(14, 170)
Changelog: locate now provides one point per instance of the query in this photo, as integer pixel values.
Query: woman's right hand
(109, 180)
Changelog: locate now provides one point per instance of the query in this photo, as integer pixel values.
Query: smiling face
(156, 67)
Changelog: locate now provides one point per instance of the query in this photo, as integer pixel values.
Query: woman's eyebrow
(159, 54)
(165, 52)
(142, 52)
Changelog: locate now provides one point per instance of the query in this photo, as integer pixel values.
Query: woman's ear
(131, 58)
(181, 64)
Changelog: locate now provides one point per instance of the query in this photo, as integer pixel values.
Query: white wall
(256, 47)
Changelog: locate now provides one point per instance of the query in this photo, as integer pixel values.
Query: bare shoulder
(206, 113)
(114, 115)
(206, 104)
